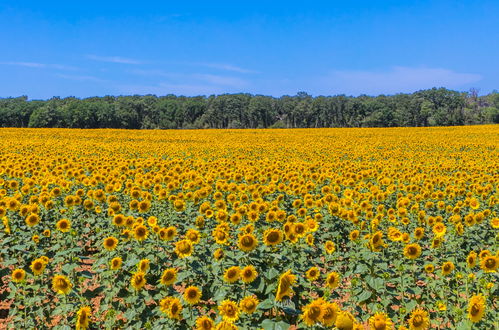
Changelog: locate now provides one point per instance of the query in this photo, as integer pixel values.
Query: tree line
(431, 107)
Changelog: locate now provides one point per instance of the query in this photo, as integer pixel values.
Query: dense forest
(432, 107)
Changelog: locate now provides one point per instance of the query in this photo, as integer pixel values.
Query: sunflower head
(229, 310)
(138, 280)
(333, 280)
(248, 304)
(380, 321)
(419, 320)
(110, 243)
(192, 295)
(345, 320)
(248, 274)
(115, 263)
(284, 287)
(169, 276)
(232, 274)
(18, 275)
(313, 274)
(272, 237)
(313, 312)
(61, 284)
(489, 263)
(247, 242)
(63, 225)
(83, 317)
(204, 323)
(184, 248)
(412, 251)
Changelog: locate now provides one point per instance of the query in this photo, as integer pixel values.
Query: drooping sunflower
(232, 274)
(313, 312)
(476, 308)
(184, 248)
(313, 274)
(419, 320)
(380, 321)
(249, 304)
(447, 267)
(204, 323)
(272, 237)
(412, 251)
(329, 247)
(471, 259)
(345, 321)
(38, 266)
(61, 284)
(83, 318)
(284, 288)
(143, 265)
(115, 263)
(18, 275)
(229, 310)
(192, 295)
(376, 241)
(110, 243)
(489, 264)
(169, 276)
(138, 280)
(330, 313)
(333, 280)
(247, 242)
(63, 225)
(140, 232)
(248, 274)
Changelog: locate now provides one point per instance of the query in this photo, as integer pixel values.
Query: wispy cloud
(224, 66)
(188, 78)
(40, 65)
(114, 59)
(397, 79)
(80, 78)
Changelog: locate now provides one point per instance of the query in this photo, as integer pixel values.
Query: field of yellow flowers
(224, 229)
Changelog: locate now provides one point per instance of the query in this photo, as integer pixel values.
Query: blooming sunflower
(333, 280)
(83, 318)
(193, 236)
(345, 321)
(429, 268)
(61, 284)
(412, 251)
(192, 295)
(489, 264)
(447, 267)
(18, 275)
(32, 219)
(138, 280)
(229, 310)
(476, 308)
(248, 274)
(175, 309)
(419, 320)
(226, 325)
(313, 274)
(204, 323)
(272, 237)
(419, 233)
(169, 276)
(63, 225)
(115, 263)
(248, 304)
(110, 243)
(140, 232)
(232, 274)
(380, 321)
(354, 235)
(38, 266)
(439, 229)
(218, 254)
(329, 247)
(284, 287)
(247, 242)
(330, 313)
(184, 248)
(313, 312)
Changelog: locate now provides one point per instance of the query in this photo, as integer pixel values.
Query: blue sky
(95, 48)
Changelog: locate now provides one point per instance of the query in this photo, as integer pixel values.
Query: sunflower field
(388, 228)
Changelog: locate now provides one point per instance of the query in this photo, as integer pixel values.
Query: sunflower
(138, 280)
(284, 287)
(46, 233)
(429, 268)
(18, 275)
(329, 247)
(354, 235)
(376, 241)
(36, 239)
(221, 236)
(272, 237)
(333, 280)
(489, 263)
(32, 219)
(439, 229)
(63, 225)
(248, 304)
(110, 243)
(232, 274)
(419, 233)
(447, 267)
(419, 320)
(330, 313)
(38, 266)
(218, 254)
(471, 259)
(119, 220)
(229, 310)
(184, 248)
(83, 318)
(345, 320)
(61, 284)
(476, 308)
(226, 325)
(299, 229)
(115, 263)
(143, 265)
(412, 251)
(174, 310)
(193, 236)
(313, 274)
(192, 295)
(169, 276)
(474, 203)
(380, 321)
(204, 323)
(140, 232)
(247, 242)
(248, 274)
(313, 312)
(171, 232)
(164, 304)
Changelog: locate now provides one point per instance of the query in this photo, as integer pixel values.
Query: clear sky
(96, 48)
